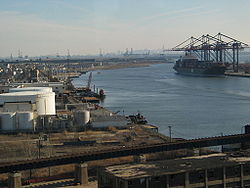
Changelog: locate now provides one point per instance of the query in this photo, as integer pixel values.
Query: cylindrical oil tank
(40, 89)
(86, 116)
(24, 120)
(7, 121)
(45, 103)
(81, 117)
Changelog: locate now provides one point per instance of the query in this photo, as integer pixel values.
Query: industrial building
(57, 87)
(22, 89)
(20, 108)
(216, 170)
(103, 122)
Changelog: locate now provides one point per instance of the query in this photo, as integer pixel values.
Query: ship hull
(191, 66)
(213, 71)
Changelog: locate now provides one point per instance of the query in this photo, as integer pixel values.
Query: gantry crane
(219, 48)
(89, 81)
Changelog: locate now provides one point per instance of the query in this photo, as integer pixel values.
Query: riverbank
(105, 66)
(124, 65)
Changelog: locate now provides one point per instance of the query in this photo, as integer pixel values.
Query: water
(193, 106)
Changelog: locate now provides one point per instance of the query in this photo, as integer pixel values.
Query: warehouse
(203, 171)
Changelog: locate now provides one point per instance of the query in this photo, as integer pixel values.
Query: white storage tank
(44, 101)
(7, 121)
(24, 121)
(40, 89)
(46, 104)
(81, 117)
(86, 116)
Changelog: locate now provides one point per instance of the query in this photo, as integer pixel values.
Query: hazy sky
(43, 27)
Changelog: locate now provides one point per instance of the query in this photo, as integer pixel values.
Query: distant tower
(19, 54)
(131, 51)
(68, 55)
(11, 57)
(126, 53)
(100, 52)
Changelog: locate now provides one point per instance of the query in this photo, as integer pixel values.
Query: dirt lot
(26, 146)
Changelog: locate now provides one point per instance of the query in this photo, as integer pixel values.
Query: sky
(48, 27)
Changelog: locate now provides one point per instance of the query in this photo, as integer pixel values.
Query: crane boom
(89, 80)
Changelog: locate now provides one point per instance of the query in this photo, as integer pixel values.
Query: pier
(238, 74)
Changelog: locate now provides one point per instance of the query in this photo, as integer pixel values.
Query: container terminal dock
(211, 55)
(53, 134)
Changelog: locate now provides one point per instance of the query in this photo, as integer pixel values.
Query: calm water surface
(193, 106)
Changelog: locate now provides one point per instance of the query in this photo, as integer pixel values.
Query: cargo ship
(191, 66)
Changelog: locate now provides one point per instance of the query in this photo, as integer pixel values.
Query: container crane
(89, 81)
(219, 48)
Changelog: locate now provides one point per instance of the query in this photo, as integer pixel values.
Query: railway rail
(122, 151)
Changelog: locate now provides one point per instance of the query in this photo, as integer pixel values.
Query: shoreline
(108, 66)
(123, 65)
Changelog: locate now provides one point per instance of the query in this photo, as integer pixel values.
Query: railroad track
(122, 151)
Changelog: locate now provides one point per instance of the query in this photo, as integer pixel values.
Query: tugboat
(191, 66)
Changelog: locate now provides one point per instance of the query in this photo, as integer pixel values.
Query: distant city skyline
(53, 26)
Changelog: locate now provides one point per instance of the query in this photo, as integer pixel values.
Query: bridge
(122, 151)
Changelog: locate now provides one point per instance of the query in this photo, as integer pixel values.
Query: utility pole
(222, 148)
(39, 147)
(170, 133)
(68, 57)
(40, 138)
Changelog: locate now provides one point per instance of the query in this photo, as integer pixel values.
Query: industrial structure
(215, 171)
(217, 48)
(57, 87)
(21, 107)
(49, 106)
